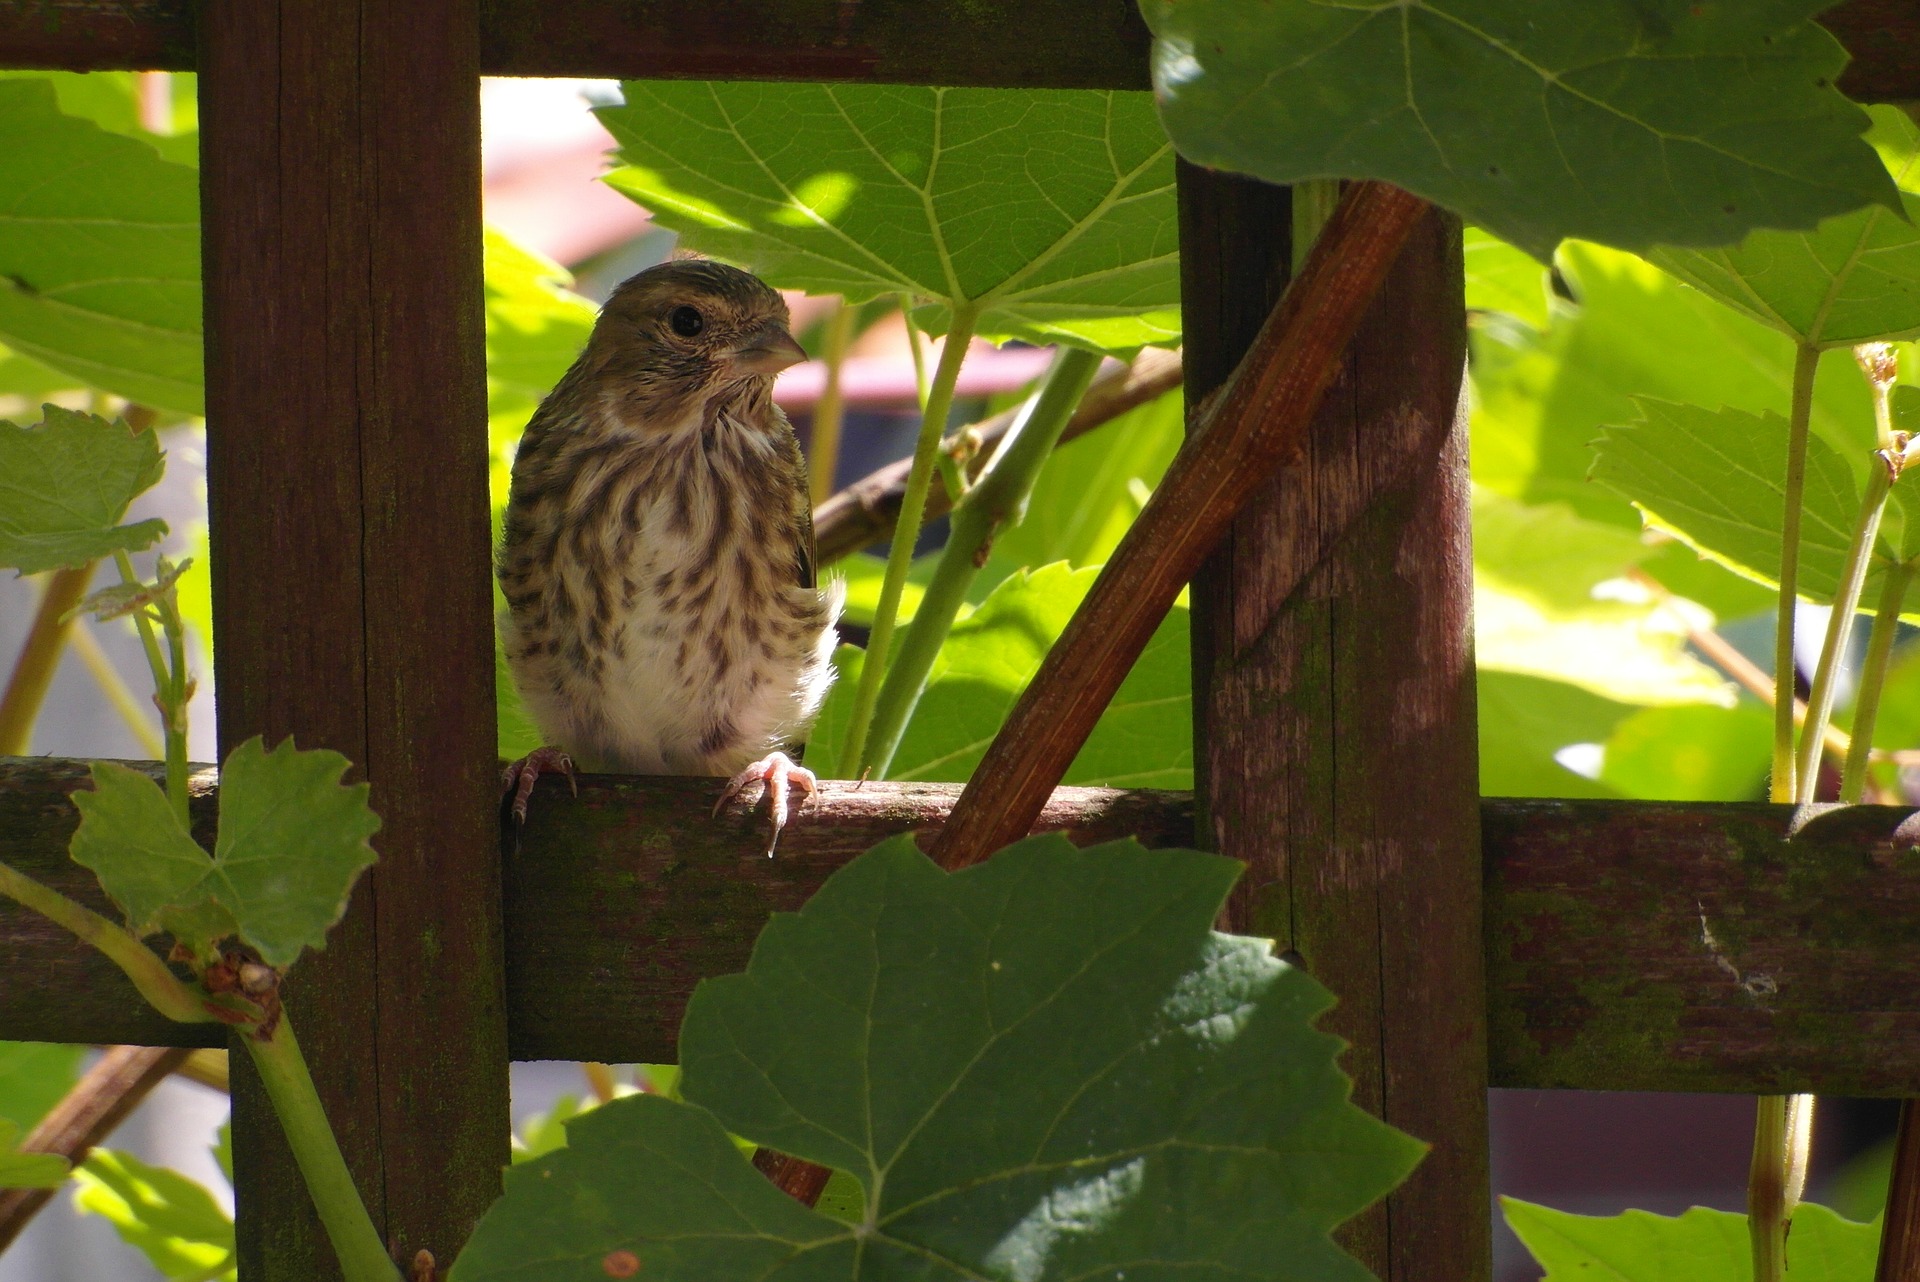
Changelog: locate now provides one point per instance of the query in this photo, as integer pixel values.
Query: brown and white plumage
(663, 614)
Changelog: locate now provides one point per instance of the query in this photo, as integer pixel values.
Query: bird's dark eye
(686, 321)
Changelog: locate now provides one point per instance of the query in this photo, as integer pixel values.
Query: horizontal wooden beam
(1090, 44)
(1630, 946)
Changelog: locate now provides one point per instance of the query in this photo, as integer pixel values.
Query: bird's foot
(779, 774)
(520, 777)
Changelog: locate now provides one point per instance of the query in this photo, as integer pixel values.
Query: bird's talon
(778, 773)
(520, 777)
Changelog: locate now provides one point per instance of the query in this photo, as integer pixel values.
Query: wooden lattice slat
(347, 491)
(1598, 973)
(1097, 44)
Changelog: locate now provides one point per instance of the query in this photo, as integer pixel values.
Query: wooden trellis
(1522, 943)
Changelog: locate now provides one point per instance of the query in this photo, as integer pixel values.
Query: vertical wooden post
(347, 482)
(1336, 737)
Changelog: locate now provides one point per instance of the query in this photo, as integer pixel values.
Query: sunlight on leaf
(99, 253)
(1130, 1060)
(1535, 129)
(1143, 740)
(1051, 210)
(167, 1217)
(1699, 1246)
(1852, 279)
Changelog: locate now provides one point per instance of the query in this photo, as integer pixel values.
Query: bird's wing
(803, 544)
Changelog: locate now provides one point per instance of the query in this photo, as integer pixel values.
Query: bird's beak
(767, 351)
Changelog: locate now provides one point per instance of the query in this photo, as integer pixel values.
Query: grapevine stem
(1873, 676)
(998, 498)
(900, 555)
(1766, 1189)
(169, 688)
(283, 1071)
(1846, 600)
(824, 457)
(1806, 361)
(163, 991)
(39, 657)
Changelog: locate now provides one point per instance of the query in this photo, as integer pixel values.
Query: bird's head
(676, 338)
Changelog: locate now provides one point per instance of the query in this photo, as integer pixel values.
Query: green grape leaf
(1527, 721)
(1630, 122)
(1853, 279)
(292, 841)
(130, 838)
(27, 1170)
(1540, 399)
(1143, 740)
(536, 326)
(99, 253)
(1502, 278)
(167, 1217)
(1550, 601)
(1112, 1088)
(1906, 409)
(65, 484)
(33, 1078)
(1691, 753)
(1090, 489)
(1050, 211)
(111, 99)
(1699, 1246)
(1715, 479)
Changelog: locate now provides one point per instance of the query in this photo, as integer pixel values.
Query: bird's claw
(520, 776)
(778, 773)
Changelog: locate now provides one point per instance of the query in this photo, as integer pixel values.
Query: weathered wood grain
(1598, 976)
(1333, 667)
(347, 490)
(1694, 948)
(1095, 44)
(1257, 426)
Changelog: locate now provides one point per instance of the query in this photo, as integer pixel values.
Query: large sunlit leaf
(1551, 600)
(1691, 753)
(1853, 279)
(1630, 122)
(1716, 480)
(1699, 1246)
(99, 253)
(1111, 1089)
(1540, 399)
(292, 840)
(1527, 723)
(1501, 278)
(65, 484)
(167, 1217)
(1051, 211)
(536, 326)
(1143, 740)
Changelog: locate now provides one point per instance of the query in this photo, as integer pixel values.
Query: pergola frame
(1335, 738)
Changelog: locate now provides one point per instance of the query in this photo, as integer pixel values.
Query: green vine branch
(39, 657)
(997, 499)
(1806, 361)
(160, 986)
(913, 508)
(296, 1102)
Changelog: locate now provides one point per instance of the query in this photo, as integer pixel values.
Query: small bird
(663, 614)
